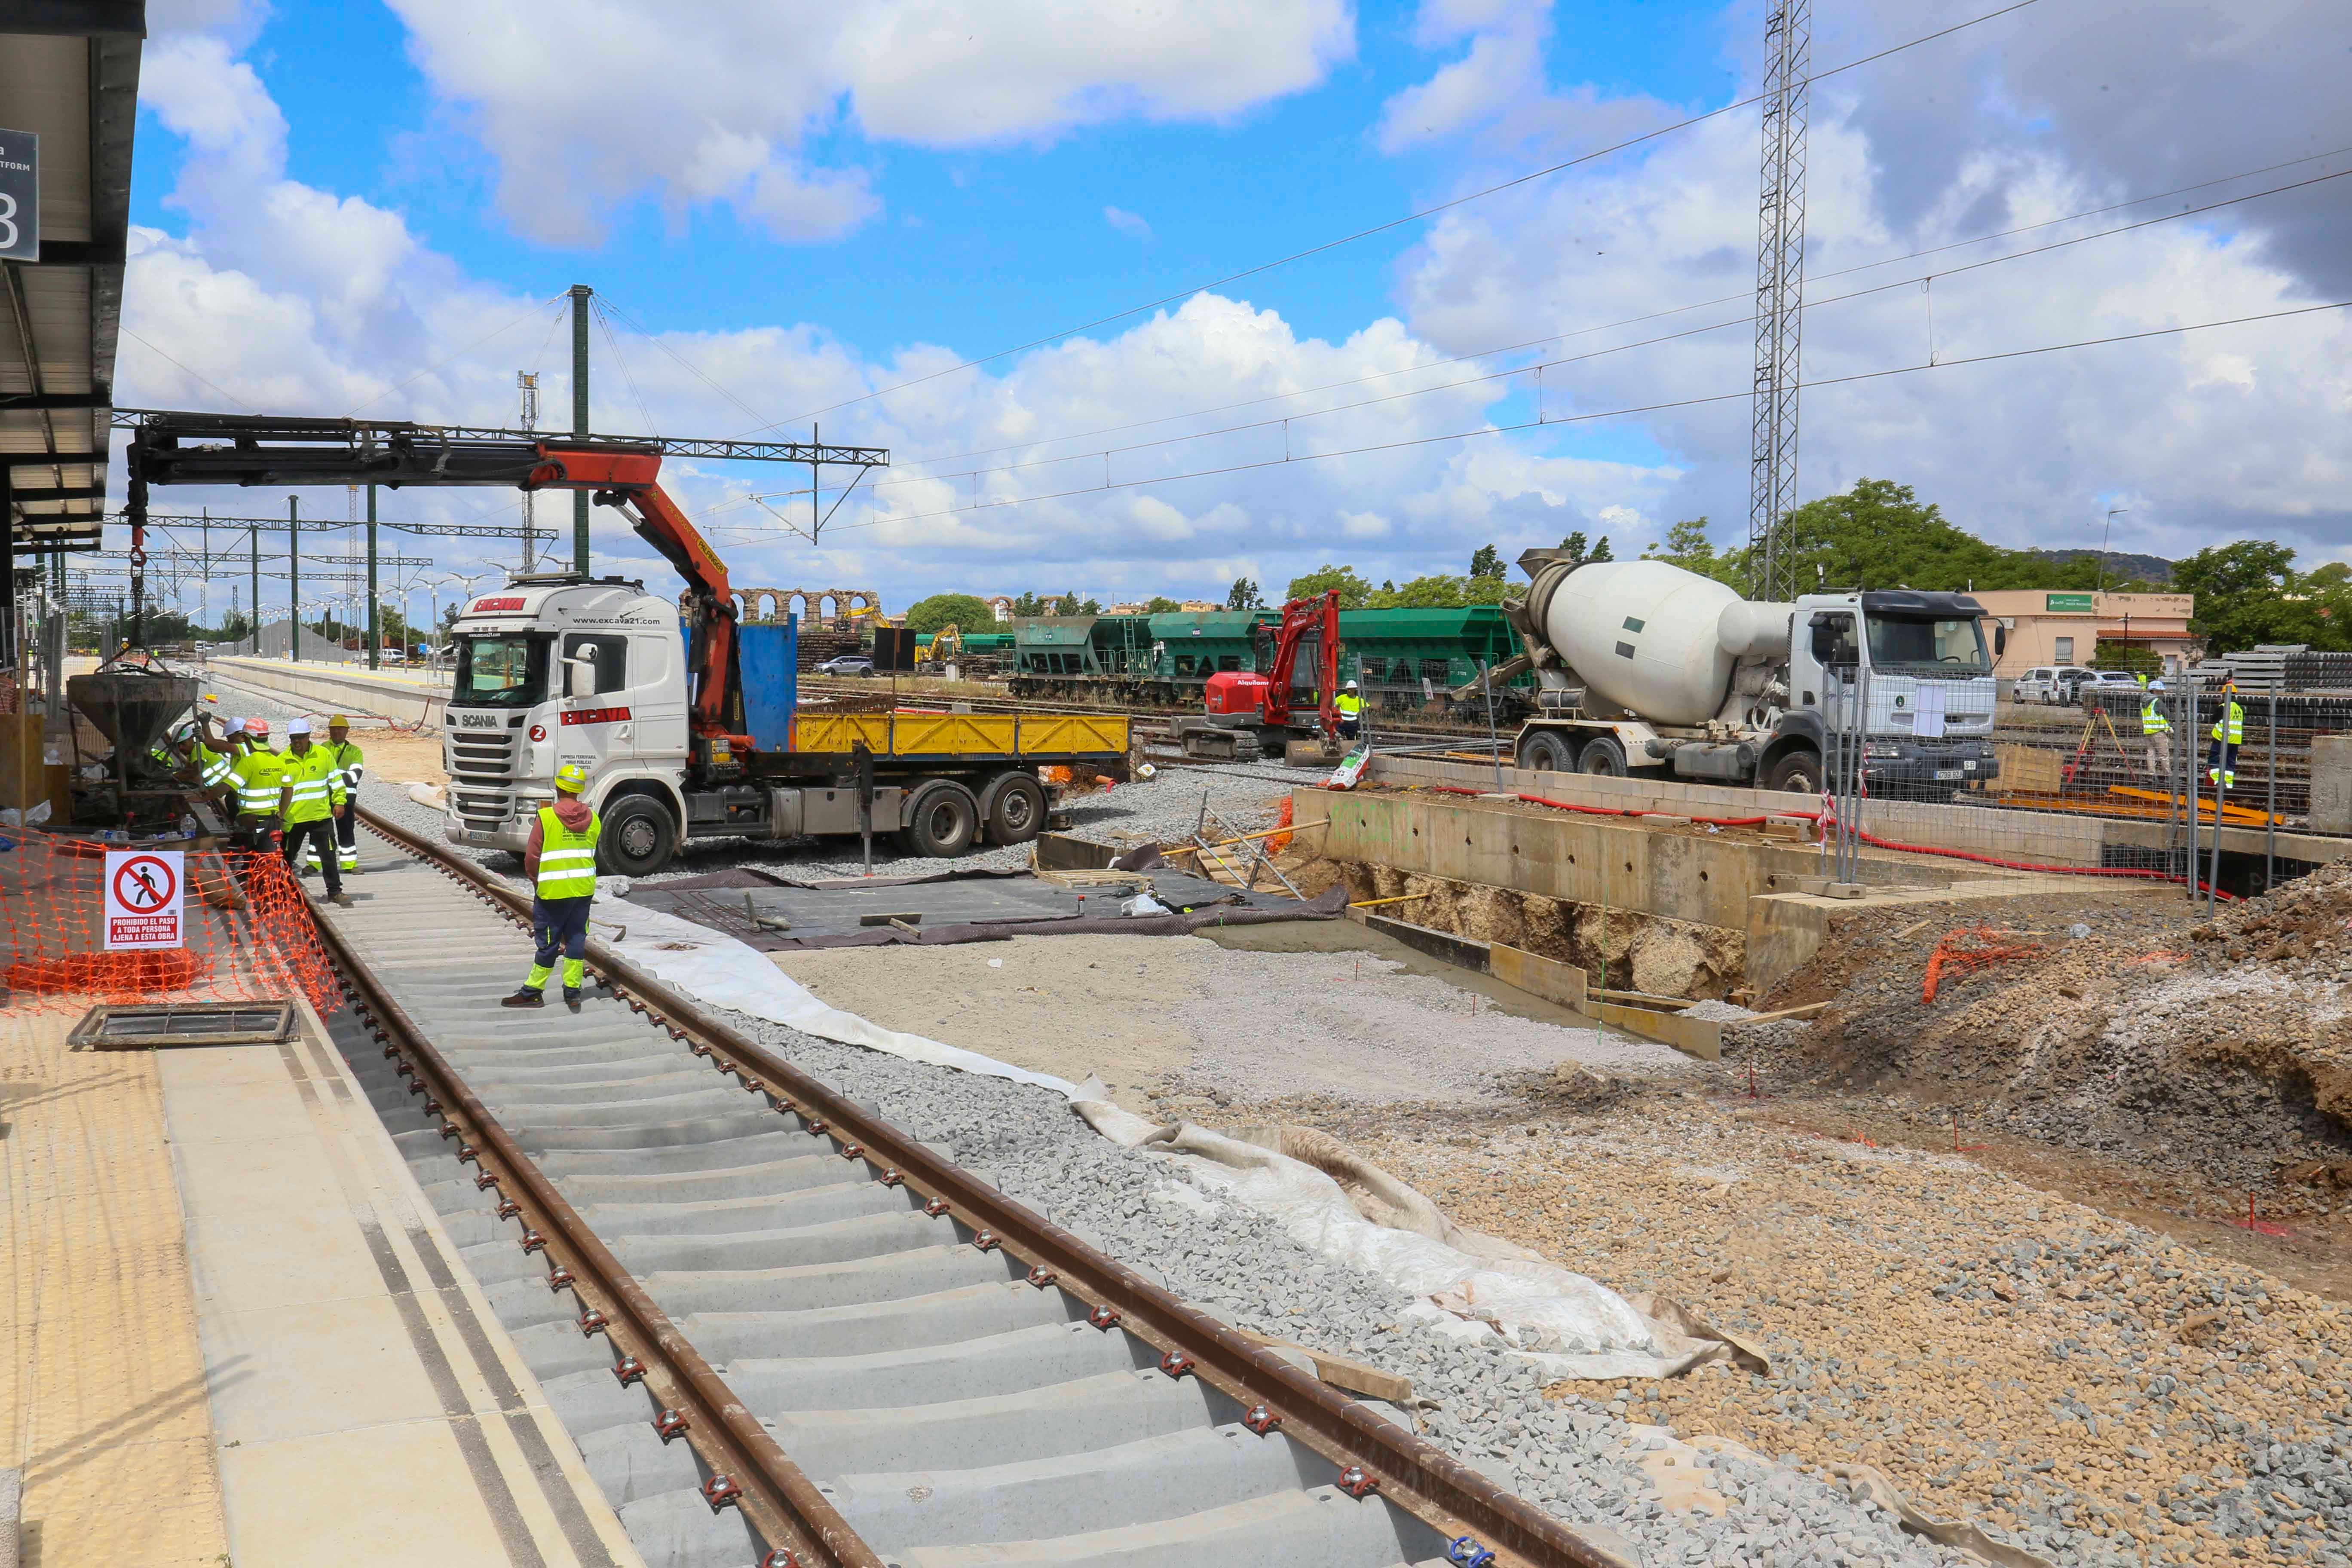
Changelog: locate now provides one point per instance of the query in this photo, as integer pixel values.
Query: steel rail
(1414, 1474)
(777, 1496)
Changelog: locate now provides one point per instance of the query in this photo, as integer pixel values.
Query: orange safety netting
(245, 920)
(1970, 948)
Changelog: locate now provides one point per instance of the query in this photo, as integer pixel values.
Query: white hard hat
(298, 726)
(1351, 686)
(234, 725)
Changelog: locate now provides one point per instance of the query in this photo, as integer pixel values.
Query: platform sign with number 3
(20, 195)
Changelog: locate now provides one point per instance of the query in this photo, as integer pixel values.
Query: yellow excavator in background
(946, 644)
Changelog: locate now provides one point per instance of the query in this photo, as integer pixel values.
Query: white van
(2048, 683)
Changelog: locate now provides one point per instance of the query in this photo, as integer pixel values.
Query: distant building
(1195, 606)
(1124, 610)
(2046, 628)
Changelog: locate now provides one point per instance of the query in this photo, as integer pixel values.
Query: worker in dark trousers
(1350, 707)
(561, 861)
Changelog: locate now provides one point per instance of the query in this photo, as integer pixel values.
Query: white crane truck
(1639, 665)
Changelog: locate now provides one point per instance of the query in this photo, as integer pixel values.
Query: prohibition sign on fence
(142, 898)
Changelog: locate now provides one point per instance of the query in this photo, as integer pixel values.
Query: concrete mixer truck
(1641, 665)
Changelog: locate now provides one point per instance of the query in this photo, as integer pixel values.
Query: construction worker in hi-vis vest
(260, 777)
(349, 763)
(560, 860)
(2229, 730)
(2157, 729)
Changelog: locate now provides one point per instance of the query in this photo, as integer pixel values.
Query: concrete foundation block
(2331, 784)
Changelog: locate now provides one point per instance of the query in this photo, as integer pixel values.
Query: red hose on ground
(1870, 838)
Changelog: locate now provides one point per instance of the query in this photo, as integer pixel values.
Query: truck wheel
(1603, 757)
(1797, 773)
(1546, 751)
(942, 820)
(1016, 809)
(636, 836)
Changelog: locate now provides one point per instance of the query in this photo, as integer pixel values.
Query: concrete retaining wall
(338, 690)
(2040, 837)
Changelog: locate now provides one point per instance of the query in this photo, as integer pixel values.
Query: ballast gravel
(1579, 1459)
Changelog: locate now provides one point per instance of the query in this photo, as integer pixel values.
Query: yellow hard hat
(337, 722)
(572, 778)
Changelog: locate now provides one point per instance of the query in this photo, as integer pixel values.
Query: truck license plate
(1948, 773)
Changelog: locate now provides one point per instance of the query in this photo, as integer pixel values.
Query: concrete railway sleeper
(783, 1330)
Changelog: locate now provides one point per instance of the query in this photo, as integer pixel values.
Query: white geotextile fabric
(1584, 1330)
(715, 968)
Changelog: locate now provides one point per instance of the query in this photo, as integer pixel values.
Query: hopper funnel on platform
(131, 708)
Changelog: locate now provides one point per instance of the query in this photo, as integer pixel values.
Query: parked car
(2099, 681)
(2047, 683)
(847, 664)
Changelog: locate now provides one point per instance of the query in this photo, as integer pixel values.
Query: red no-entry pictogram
(144, 883)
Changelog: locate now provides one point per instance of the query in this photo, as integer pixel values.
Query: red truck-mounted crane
(561, 669)
(1248, 713)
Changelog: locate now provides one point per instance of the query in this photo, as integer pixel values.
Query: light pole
(2113, 512)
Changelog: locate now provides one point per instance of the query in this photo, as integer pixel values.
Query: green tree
(966, 612)
(1485, 561)
(1436, 592)
(1600, 551)
(1029, 605)
(1244, 595)
(1161, 605)
(1688, 547)
(1485, 590)
(1575, 546)
(1071, 604)
(1354, 592)
(2247, 593)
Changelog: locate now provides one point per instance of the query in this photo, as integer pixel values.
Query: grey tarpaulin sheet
(979, 909)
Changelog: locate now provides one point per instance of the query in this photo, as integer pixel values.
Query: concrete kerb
(384, 697)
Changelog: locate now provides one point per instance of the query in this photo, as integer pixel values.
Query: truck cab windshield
(1955, 647)
(501, 672)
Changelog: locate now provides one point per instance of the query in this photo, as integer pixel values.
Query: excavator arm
(1300, 618)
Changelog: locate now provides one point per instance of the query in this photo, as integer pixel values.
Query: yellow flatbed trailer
(923, 738)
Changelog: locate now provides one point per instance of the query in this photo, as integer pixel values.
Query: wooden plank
(1341, 1373)
(1546, 977)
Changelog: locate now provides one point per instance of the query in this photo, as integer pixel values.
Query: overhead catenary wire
(1411, 217)
(1741, 295)
(453, 358)
(1511, 372)
(1601, 413)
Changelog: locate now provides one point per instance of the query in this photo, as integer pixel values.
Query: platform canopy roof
(69, 76)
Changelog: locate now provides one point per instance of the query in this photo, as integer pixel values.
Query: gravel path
(1164, 1018)
(2099, 1392)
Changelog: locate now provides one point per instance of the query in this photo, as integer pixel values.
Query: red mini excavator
(1250, 713)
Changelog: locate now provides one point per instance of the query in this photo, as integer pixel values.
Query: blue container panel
(769, 654)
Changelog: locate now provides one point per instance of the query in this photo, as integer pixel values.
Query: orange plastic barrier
(1970, 948)
(245, 918)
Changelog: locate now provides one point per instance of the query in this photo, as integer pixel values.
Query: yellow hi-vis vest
(213, 767)
(318, 786)
(2152, 721)
(567, 860)
(1348, 706)
(2236, 722)
(347, 761)
(259, 775)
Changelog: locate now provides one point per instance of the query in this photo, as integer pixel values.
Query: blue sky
(808, 206)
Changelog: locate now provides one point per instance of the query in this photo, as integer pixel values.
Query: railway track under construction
(784, 1330)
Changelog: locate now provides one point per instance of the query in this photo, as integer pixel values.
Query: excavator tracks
(784, 1332)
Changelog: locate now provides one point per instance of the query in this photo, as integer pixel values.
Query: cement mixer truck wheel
(1603, 756)
(1798, 773)
(1545, 752)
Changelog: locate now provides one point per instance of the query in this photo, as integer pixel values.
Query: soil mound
(2118, 1024)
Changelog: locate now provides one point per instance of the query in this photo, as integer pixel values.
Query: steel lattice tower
(1779, 299)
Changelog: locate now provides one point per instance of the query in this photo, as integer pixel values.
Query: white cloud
(2229, 433)
(288, 297)
(728, 100)
(1126, 223)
